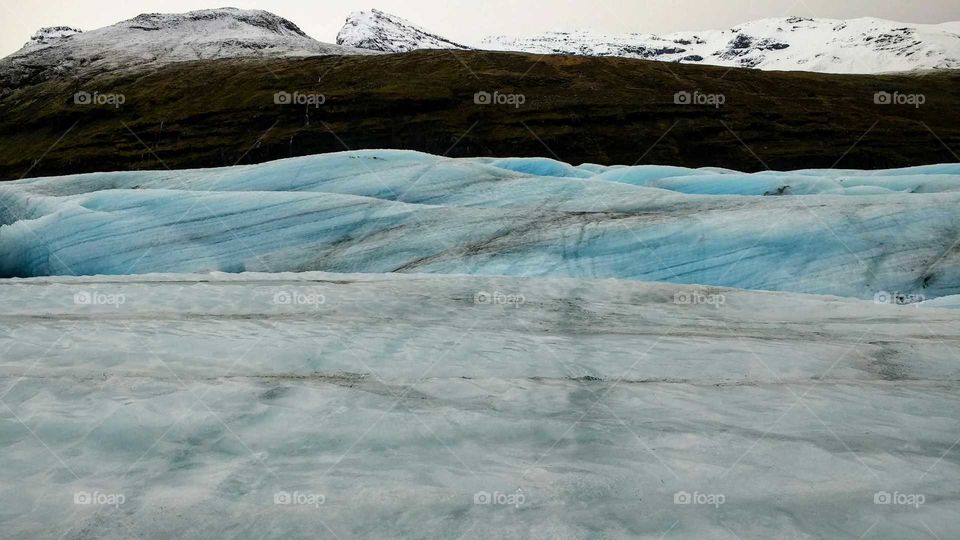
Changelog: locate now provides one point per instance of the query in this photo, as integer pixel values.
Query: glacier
(839, 232)
(308, 405)
(390, 344)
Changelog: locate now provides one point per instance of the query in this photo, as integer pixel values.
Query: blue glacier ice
(388, 344)
(840, 232)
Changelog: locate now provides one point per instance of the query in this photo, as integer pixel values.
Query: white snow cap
(865, 45)
(380, 31)
(160, 38)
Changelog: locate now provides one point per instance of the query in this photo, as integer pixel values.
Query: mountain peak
(154, 39)
(380, 31)
(52, 34)
(251, 17)
(865, 45)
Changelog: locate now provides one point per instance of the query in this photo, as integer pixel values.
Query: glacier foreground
(842, 232)
(319, 405)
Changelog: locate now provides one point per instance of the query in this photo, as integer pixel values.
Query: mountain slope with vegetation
(576, 109)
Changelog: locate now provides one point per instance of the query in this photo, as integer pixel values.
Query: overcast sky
(470, 20)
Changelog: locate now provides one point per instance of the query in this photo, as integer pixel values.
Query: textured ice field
(413, 394)
(849, 233)
(396, 406)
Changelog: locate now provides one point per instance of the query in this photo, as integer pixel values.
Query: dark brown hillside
(577, 109)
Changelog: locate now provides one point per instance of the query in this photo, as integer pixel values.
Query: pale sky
(471, 20)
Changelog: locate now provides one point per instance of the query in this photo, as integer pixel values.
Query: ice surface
(457, 365)
(399, 398)
(950, 302)
(397, 211)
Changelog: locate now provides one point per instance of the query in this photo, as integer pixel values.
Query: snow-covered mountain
(154, 39)
(865, 45)
(379, 31)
